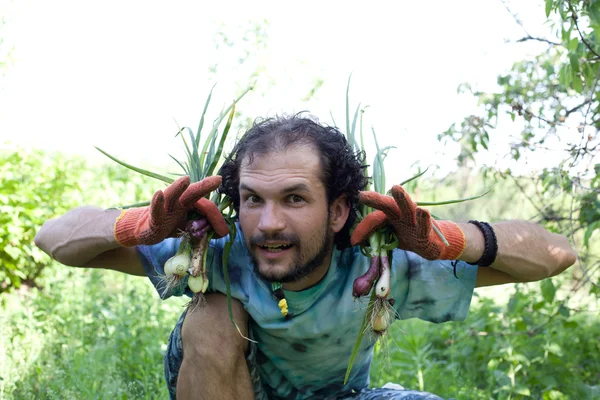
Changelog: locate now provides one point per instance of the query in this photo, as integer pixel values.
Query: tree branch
(574, 18)
(592, 95)
(516, 17)
(529, 37)
(579, 262)
(572, 110)
(528, 197)
(551, 123)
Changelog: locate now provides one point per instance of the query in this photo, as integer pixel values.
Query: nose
(271, 219)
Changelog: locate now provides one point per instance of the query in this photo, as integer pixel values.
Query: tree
(554, 100)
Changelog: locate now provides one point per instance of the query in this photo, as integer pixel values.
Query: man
(295, 185)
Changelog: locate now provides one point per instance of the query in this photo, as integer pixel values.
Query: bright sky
(117, 74)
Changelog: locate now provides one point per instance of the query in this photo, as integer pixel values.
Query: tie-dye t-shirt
(307, 354)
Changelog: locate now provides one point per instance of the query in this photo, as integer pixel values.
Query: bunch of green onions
(380, 313)
(188, 265)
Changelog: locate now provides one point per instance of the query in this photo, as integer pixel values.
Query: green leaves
(378, 168)
(37, 186)
(201, 162)
(32, 190)
(553, 99)
(549, 4)
(91, 332)
(446, 202)
(351, 127)
(498, 352)
(472, 134)
(565, 75)
(548, 290)
(163, 178)
(225, 266)
(589, 231)
(363, 329)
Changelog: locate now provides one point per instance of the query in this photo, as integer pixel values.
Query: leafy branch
(574, 18)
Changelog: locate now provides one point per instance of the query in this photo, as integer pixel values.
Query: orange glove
(211, 212)
(168, 211)
(411, 224)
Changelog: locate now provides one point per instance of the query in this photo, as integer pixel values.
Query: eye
(295, 199)
(252, 199)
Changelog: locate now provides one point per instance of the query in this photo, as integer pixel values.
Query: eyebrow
(301, 187)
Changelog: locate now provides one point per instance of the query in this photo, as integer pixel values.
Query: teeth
(275, 247)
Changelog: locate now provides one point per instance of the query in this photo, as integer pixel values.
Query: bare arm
(526, 253)
(92, 237)
(84, 237)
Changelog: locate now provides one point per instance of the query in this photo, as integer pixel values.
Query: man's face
(284, 214)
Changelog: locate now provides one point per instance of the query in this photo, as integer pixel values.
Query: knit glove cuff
(454, 236)
(127, 226)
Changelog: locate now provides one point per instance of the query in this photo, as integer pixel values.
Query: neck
(311, 280)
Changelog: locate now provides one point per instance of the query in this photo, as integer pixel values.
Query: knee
(209, 337)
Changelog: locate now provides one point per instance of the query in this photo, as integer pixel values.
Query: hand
(211, 212)
(167, 212)
(412, 225)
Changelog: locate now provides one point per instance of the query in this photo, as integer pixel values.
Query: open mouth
(275, 248)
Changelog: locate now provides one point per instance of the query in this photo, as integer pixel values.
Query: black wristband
(491, 244)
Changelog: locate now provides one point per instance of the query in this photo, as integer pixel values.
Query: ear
(338, 213)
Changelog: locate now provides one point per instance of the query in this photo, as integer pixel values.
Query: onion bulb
(362, 285)
(178, 264)
(197, 284)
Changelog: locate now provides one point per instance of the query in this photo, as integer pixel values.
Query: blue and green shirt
(307, 354)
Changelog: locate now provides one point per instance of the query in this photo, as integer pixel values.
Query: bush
(37, 186)
(536, 346)
(89, 334)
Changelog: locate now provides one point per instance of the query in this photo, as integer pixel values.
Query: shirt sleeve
(155, 256)
(436, 291)
(239, 271)
(153, 260)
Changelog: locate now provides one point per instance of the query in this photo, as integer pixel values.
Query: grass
(102, 335)
(87, 335)
(497, 353)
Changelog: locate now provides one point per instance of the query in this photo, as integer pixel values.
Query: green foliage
(553, 98)
(90, 335)
(538, 340)
(101, 334)
(37, 186)
(536, 346)
(34, 187)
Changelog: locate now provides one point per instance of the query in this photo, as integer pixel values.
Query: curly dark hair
(343, 170)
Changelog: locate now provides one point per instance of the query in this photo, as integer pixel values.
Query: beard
(307, 258)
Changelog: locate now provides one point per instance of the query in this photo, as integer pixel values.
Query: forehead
(296, 164)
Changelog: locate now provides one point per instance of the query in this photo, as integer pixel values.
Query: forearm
(526, 251)
(79, 236)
